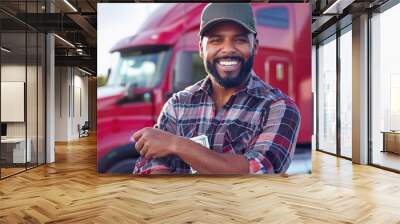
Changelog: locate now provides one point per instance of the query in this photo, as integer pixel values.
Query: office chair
(84, 130)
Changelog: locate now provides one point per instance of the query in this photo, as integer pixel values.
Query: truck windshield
(143, 68)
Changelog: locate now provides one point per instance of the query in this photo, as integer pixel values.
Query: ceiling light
(64, 40)
(337, 7)
(86, 72)
(70, 5)
(5, 50)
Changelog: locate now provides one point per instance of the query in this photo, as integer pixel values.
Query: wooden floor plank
(70, 191)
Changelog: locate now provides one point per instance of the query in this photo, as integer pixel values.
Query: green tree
(101, 80)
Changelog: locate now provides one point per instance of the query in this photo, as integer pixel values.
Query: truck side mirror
(108, 73)
(183, 71)
(130, 90)
(133, 93)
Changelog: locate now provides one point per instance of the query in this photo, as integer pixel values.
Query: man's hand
(154, 143)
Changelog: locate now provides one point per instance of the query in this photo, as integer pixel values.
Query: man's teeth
(228, 63)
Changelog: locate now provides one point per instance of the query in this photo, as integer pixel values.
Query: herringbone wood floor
(70, 191)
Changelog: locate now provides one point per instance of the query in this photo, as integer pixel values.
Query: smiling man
(248, 126)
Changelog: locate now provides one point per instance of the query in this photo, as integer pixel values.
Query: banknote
(202, 140)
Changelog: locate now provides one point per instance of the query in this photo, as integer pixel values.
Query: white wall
(61, 103)
(80, 100)
(71, 94)
(13, 73)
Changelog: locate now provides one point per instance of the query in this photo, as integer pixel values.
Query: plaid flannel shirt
(258, 122)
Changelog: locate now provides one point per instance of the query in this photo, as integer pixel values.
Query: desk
(16, 148)
(391, 141)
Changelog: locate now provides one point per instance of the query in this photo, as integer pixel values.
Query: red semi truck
(162, 58)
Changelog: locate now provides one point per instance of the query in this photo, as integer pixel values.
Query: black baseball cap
(240, 13)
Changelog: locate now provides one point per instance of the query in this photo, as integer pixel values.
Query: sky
(116, 21)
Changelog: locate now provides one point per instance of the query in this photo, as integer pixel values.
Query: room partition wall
(22, 88)
(327, 95)
(385, 87)
(334, 93)
(334, 88)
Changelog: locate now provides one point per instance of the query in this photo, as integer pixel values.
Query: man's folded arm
(273, 150)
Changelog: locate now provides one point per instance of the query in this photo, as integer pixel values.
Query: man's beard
(230, 82)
